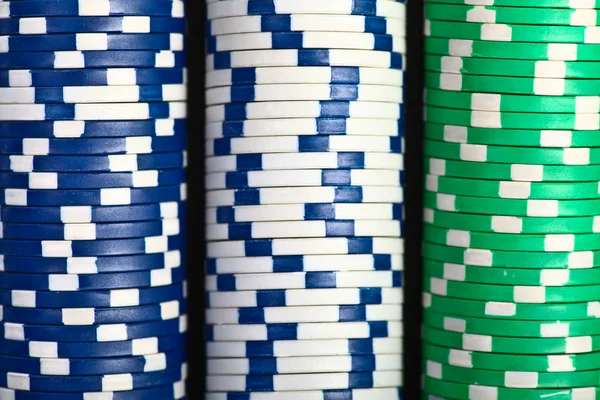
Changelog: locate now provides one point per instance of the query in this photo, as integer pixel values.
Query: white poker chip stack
(304, 199)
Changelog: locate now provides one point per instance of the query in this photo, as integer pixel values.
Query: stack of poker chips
(304, 172)
(512, 201)
(92, 142)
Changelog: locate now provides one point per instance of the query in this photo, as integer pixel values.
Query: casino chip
(511, 256)
(304, 197)
(93, 283)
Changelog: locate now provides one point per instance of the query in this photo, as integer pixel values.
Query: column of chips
(304, 196)
(511, 242)
(92, 191)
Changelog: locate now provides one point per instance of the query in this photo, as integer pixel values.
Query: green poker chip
(513, 50)
(509, 241)
(514, 172)
(516, 207)
(510, 310)
(510, 224)
(511, 155)
(495, 119)
(512, 103)
(460, 391)
(511, 276)
(513, 294)
(511, 137)
(512, 85)
(511, 345)
(513, 68)
(511, 15)
(511, 259)
(510, 32)
(516, 379)
(577, 4)
(510, 328)
(512, 189)
(511, 362)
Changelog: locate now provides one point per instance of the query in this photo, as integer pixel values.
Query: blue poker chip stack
(304, 199)
(92, 196)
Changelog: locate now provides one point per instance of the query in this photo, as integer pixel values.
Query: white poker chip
(306, 365)
(303, 212)
(305, 297)
(308, 263)
(301, 178)
(305, 195)
(283, 161)
(307, 40)
(376, 111)
(283, 315)
(302, 92)
(307, 144)
(284, 75)
(305, 23)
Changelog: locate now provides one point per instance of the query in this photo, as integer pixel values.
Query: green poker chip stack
(511, 241)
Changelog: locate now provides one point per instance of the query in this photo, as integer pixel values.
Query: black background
(413, 89)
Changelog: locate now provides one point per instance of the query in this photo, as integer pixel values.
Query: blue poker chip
(106, 299)
(93, 41)
(301, 58)
(127, 348)
(91, 248)
(122, 230)
(132, 24)
(93, 214)
(336, 125)
(94, 366)
(100, 180)
(367, 262)
(172, 391)
(87, 146)
(90, 282)
(92, 197)
(102, 334)
(95, 383)
(95, 129)
(92, 77)
(65, 8)
(27, 96)
(94, 266)
(94, 163)
(93, 111)
(91, 316)
(93, 59)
